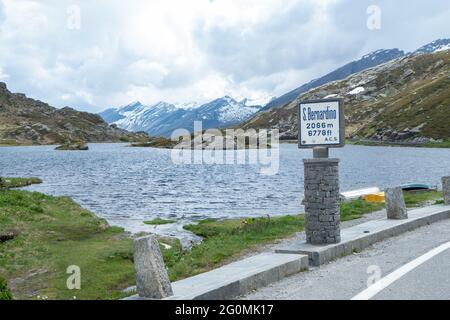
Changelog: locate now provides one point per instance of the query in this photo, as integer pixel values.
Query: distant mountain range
(162, 118)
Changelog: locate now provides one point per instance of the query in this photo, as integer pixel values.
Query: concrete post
(395, 204)
(322, 216)
(152, 280)
(320, 152)
(446, 189)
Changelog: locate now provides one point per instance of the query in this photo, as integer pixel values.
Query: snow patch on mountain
(236, 111)
(435, 46)
(443, 48)
(357, 90)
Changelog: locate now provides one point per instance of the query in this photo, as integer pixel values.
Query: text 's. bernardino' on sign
(321, 123)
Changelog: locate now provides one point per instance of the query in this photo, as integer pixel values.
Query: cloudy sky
(93, 54)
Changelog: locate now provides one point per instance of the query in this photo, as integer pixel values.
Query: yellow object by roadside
(376, 197)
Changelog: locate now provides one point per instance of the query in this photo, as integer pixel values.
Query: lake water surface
(129, 185)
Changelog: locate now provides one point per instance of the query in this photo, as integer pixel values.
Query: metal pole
(320, 152)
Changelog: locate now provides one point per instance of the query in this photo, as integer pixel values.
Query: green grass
(9, 143)
(369, 143)
(443, 144)
(155, 142)
(18, 182)
(5, 293)
(225, 240)
(355, 209)
(159, 221)
(53, 233)
(417, 199)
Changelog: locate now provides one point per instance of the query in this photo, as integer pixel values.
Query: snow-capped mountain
(435, 46)
(115, 114)
(152, 118)
(162, 118)
(225, 110)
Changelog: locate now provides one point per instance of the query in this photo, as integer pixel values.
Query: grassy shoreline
(52, 233)
(370, 143)
(46, 235)
(9, 183)
(163, 143)
(159, 221)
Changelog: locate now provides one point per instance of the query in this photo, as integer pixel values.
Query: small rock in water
(73, 146)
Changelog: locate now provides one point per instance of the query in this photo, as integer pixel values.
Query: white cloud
(3, 76)
(2, 13)
(177, 50)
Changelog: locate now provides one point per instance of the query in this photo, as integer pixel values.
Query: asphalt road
(415, 265)
(430, 280)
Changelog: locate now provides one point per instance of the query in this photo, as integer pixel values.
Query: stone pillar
(322, 216)
(152, 280)
(395, 204)
(446, 189)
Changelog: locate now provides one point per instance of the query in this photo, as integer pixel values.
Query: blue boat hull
(416, 186)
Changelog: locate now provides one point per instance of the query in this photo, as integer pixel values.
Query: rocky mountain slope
(163, 118)
(27, 121)
(406, 99)
(368, 61)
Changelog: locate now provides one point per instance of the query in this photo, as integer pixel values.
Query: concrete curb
(363, 235)
(238, 278)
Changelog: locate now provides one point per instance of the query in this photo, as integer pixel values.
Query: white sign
(321, 123)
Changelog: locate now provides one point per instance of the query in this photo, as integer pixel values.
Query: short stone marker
(395, 204)
(152, 280)
(446, 189)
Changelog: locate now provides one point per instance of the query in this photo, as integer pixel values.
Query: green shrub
(5, 294)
